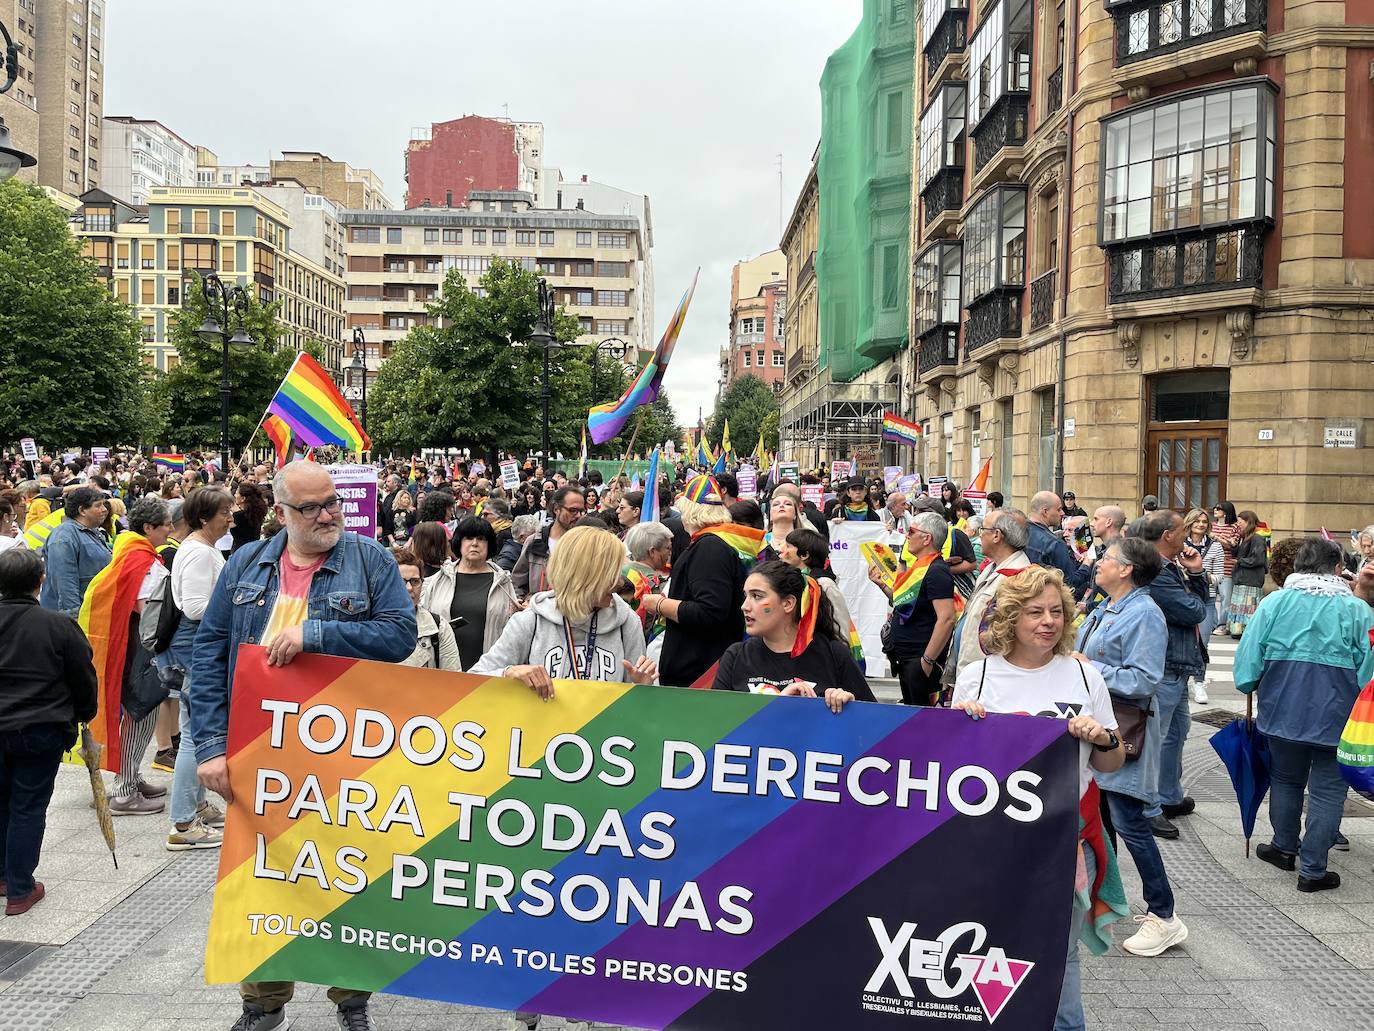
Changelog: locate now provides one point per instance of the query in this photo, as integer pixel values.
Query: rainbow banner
(168, 460)
(900, 431)
(1355, 752)
(645, 856)
(310, 403)
(605, 421)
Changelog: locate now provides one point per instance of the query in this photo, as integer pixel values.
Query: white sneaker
(1155, 935)
(1200, 692)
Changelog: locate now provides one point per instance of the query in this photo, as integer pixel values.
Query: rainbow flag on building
(606, 421)
(311, 405)
(169, 460)
(899, 431)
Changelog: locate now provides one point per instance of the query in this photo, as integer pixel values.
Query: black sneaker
(1277, 857)
(1330, 879)
(1184, 808)
(353, 1016)
(165, 760)
(255, 1018)
(1160, 827)
(1342, 843)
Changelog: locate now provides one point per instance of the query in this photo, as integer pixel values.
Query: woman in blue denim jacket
(1126, 638)
(76, 550)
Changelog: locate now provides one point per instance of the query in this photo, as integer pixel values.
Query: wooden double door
(1186, 465)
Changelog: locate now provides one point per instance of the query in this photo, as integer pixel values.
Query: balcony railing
(994, 316)
(1187, 263)
(944, 192)
(1043, 294)
(1004, 126)
(1054, 91)
(1150, 29)
(938, 347)
(949, 38)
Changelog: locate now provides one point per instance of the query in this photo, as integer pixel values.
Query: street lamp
(358, 367)
(218, 299)
(614, 348)
(542, 337)
(11, 158)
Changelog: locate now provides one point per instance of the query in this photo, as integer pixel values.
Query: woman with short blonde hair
(698, 515)
(583, 569)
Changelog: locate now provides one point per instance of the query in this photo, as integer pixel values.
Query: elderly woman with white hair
(702, 606)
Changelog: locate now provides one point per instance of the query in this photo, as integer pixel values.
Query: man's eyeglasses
(413, 581)
(312, 509)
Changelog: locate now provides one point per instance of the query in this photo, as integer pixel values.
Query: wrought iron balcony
(1004, 126)
(938, 348)
(1187, 263)
(944, 192)
(1054, 91)
(1043, 295)
(949, 38)
(994, 316)
(1145, 30)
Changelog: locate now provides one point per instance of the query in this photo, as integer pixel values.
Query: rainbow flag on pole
(311, 405)
(608, 420)
(280, 435)
(169, 460)
(899, 431)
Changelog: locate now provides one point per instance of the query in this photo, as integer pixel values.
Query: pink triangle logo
(996, 980)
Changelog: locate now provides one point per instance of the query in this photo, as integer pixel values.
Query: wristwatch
(1112, 743)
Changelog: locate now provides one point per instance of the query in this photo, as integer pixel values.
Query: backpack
(159, 620)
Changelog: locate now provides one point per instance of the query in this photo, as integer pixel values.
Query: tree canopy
(748, 402)
(71, 353)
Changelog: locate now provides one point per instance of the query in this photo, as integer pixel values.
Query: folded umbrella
(1244, 751)
(90, 754)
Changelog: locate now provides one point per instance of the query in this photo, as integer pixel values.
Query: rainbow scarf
(806, 623)
(1103, 901)
(105, 612)
(906, 588)
(745, 540)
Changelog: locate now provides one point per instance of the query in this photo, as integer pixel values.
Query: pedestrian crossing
(1220, 680)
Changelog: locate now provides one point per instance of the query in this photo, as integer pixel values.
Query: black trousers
(917, 687)
(29, 759)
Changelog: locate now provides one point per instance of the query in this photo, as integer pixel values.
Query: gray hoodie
(538, 637)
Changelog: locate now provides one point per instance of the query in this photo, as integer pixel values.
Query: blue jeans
(188, 794)
(29, 760)
(1174, 721)
(1295, 765)
(1129, 820)
(1223, 601)
(1069, 1016)
(1209, 620)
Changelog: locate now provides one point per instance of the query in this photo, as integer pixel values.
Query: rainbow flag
(608, 420)
(105, 615)
(900, 431)
(1262, 530)
(167, 460)
(1355, 753)
(648, 512)
(310, 403)
(746, 541)
(280, 435)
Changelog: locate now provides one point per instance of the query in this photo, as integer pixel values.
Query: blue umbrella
(1244, 751)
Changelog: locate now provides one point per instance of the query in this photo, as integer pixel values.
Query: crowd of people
(1102, 619)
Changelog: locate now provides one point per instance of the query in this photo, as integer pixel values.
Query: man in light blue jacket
(1307, 652)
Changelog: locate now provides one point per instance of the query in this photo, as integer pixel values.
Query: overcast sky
(690, 103)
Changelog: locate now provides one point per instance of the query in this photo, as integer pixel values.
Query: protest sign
(934, 485)
(789, 471)
(29, 449)
(356, 486)
(478, 467)
(891, 474)
(840, 470)
(814, 493)
(868, 606)
(909, 485)
(510, 474)
(100, 454)
(748, 481)
(979, 500)
(646, 856)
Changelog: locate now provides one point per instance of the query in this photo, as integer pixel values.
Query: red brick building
(472, 153)
(758, 306)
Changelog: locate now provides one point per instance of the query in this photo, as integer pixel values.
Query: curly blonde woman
(1030, 669)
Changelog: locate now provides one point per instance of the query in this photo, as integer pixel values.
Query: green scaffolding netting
(864, 172)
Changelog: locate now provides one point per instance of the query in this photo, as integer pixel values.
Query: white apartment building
(137, 154)
(316, 232)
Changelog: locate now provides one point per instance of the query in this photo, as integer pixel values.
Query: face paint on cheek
(767, 610)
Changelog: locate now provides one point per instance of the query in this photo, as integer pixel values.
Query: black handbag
(143, 690)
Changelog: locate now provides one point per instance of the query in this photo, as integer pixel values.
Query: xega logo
(946, 970)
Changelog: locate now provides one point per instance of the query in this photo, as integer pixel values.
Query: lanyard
(588, 651)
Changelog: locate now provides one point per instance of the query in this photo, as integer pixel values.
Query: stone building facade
(1141, 263)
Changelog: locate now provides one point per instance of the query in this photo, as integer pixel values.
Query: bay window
(941, 171)
(937, 278)
(995, 264)
(943, 27)
(999, 70)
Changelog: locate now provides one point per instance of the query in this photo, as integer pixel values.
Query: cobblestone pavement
(121, 950)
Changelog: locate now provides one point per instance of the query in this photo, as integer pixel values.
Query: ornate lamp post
(358, 371)
(218, 299)
(11, 158)
(541, 336)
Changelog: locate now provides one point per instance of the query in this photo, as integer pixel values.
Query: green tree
(70, 353)
(747, 402)
(768, 430)
(254, 372)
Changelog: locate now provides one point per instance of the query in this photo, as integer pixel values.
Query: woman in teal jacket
(1307, 652)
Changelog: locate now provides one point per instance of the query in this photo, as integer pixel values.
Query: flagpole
(629, 448)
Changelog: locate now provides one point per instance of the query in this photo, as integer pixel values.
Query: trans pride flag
(606, 421)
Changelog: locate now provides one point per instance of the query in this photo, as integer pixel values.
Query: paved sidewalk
(122, 951)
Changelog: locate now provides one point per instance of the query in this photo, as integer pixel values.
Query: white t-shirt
(194, 573)
(152, 580)
(1056, 689)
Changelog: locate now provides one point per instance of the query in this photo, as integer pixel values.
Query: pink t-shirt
(293, 595)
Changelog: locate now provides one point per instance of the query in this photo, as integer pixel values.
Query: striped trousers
(134, 738)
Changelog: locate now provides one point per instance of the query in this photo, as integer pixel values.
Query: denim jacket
(72, 556)
(1183, 600)
(358, 609)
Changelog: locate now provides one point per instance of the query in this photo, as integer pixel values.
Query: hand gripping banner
(654, 857)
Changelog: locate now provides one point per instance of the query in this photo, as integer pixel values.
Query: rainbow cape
(605, 421)
(1355, 752)
(169, 460)
(105, 614)
(310, 403)
(745, 540)
(280, 435)
(900, 431)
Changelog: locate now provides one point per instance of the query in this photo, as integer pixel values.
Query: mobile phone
(457, 623)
